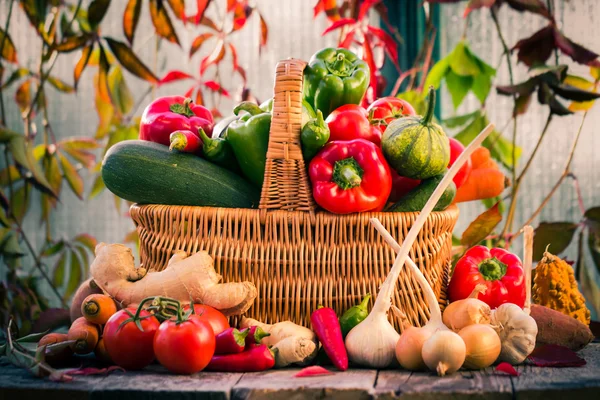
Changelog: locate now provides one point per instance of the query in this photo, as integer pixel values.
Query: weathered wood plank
(460, 385)
(280, 384)
(557, 383)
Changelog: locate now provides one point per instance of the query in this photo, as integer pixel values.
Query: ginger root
(184, 278)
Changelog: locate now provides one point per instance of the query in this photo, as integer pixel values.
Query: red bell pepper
(173, 113)
(231, 341)
(386, 109)
(350, 122)
(326, 326)
(500, 271)
(349, 177)
(258, 358)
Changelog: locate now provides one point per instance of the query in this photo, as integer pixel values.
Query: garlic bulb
(517, 332)
(372, 342)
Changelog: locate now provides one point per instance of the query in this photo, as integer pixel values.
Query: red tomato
(214, 317)
(456, 148)
(127, 345)
(186, 347)
(401, 185)
(351, 122)
(386, 109)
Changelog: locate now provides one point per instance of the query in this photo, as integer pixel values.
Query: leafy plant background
(246, 59)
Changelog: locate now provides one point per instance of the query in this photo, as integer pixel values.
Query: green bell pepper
(335, 77)
(354, 315)
(249, 139)
(313, 137)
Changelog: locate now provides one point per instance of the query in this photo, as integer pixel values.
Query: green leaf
(481, 227)
(97, 188)
(73, 179)
(75, 274)
(556, 235)
(9, 244)
(585, 275)
(15, 76)
(488, 203)
(19, 202)
(592, 219)
(130, 61)
(10, 174)
(86, 240)
(52, 173)
(416, 99)
(437, 73)
(58, 275)
(53, 248)
(458, 86)
(9, 52)
(73, 43)
(96, 12)
(60, 85)
(461, 61)
(460, 120)
(481, 87)
(24, 157)
(120, 94)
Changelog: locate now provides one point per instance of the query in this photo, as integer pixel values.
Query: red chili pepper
(326, 326)
(259, 358)
(350, 122)
(500, 271)
(172, 113)
(349, 177)
(386, 109)
(185, 141)
(231, 341)
(255, 335)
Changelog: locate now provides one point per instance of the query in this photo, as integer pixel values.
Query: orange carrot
(98, 308)
(480, 156)
(101, 353)
(59, 357)
(482, 184)
(85, 334)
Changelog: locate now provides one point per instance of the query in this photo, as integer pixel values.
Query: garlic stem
(383, 301)
(527, 264)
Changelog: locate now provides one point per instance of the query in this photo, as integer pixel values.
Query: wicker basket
(298, 258)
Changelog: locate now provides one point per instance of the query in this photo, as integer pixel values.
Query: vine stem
(566, 172)
(4, 37)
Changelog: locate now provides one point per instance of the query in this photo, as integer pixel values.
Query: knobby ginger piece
(184, 278)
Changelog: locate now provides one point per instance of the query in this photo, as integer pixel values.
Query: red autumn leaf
(475, 4)
(240, 15)
(189, 91)
(231, 4)
(346, 42)
(234, 61)
(216, 113)
(576, 51)
(264, 32)
(390, 45)
(201, 5)
(507, 368)
(178, 7)
(365, 6)
(174, 75)
(214, 57)
(533, 6)
(370, 60)
(551, 355)
(199, 98)
(162, 22)
(199, 41)
(338, 24)
(330, 8)
(537, 48)
(216, 87)
(131, 16)
(94, 371)
(315, 370)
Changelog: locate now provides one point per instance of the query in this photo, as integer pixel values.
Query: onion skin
(462, 313)
(482, 344)
(444, 352)
(409, 346)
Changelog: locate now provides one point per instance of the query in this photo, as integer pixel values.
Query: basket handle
(286, 185)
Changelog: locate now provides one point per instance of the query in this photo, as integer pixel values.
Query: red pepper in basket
(173, 113)
(349, 177)
(259, 358)
(497, 269)
(231, 341)
(350, 122)
(326, 326)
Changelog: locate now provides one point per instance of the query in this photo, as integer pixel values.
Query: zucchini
(148, 173)
(416, 199)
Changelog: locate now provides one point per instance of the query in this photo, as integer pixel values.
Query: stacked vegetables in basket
(382, 158)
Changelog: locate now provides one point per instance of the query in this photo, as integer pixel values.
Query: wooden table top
(156, 383)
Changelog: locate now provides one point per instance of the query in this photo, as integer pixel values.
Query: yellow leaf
(583, 84)
(595, 72)
(578, 82)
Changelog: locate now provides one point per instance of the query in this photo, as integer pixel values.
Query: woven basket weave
(298, 258)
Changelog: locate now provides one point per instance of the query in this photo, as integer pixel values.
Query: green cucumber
(415, 199)
(148, 173)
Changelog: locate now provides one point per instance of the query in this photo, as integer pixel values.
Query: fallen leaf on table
(507, 368)
(551, 355)
(315, 370)
(94, 371)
